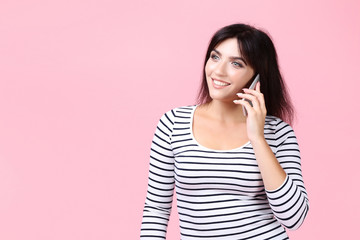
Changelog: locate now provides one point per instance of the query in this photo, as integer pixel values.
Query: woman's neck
(227, 112)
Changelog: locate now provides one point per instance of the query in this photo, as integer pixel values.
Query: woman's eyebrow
(235, 58)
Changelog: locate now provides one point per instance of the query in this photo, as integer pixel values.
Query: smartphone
(252, 86)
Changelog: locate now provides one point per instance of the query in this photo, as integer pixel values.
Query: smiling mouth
(220, 83)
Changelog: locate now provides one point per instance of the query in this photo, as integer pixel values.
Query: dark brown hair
(259, 52)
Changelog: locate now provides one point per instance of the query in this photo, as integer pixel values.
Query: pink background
(83, 84)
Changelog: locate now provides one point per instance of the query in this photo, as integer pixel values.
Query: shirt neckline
(206, 148)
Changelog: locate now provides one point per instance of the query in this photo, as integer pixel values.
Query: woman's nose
(220, 68)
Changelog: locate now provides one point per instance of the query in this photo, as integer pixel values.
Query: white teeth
(221, 83)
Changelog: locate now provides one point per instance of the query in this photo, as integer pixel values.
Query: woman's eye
(214, 57)
(237, 64)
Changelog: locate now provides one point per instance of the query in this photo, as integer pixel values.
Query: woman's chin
(222, 98)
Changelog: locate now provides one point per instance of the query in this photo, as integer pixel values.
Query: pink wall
(83, 84)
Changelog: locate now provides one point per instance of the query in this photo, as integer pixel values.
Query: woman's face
(226, 71)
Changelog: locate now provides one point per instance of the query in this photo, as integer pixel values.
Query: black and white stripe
(220, 193)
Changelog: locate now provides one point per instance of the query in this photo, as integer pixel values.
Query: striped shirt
(220, 193)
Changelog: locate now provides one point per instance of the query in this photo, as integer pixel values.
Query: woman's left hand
(256, 114)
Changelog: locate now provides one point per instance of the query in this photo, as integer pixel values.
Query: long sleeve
(161, 181)
(289, 202)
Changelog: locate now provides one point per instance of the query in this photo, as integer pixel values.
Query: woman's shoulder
(185, 109)
(179, 112)
(278, 128)
(275, 122)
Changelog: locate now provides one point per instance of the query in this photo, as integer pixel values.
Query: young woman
(237, 173)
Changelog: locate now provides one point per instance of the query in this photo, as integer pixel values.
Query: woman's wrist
(258, 141)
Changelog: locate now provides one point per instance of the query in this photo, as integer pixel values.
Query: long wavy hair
(259, 52)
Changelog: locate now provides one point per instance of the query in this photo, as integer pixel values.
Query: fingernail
(239, 94)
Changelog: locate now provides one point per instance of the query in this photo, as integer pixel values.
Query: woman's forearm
(272, 173)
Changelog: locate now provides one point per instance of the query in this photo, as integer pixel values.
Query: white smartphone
(252, 86)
